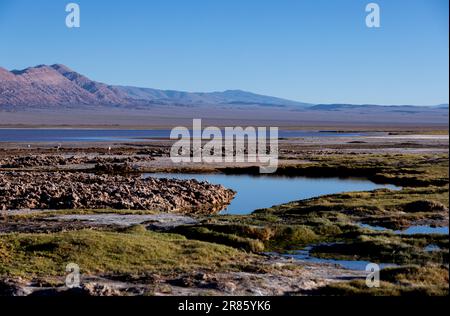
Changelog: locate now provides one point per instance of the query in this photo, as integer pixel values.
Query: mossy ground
(219, 242)
(131, 251)
(335, 219)
(406, 281)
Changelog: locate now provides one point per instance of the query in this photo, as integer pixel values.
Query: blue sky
(317, 51)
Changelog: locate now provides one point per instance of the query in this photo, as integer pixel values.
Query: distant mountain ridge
(56, 86)
(370, 107)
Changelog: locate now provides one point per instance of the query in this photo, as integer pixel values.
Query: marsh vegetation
(36, 245)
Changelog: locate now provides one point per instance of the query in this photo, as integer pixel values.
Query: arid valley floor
(87, 203)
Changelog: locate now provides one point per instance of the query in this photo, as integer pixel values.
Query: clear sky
(317, 51)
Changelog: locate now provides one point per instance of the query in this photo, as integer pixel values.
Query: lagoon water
(262, 191)
(359, 265)
(114, 135)
(412, 230)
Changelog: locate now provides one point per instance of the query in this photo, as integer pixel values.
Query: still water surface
(113, 135)
(256, 192)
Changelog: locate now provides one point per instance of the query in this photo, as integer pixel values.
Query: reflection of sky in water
(359, 265)
(99, 135)
(431, 248)
(423, 229)
(412, 230)
(78, 135)
(255, 192)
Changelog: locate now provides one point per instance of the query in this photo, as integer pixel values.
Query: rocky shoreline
(57, 190)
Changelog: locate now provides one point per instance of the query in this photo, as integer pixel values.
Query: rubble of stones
(32, 161)
(58, 190)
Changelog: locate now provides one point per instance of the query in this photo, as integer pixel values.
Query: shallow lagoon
(114, 135)
(256, 192)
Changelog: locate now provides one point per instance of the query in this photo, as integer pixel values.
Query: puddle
(432, 248)
(412, 230)
(423, 229)
(357, 265)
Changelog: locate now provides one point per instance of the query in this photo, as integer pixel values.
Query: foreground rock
(155, 221)
(57, 223)
(21, 190)
(275, 276)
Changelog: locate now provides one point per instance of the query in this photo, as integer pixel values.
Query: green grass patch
(399, 281)
(292, 237)
(382, 248)
(214, 236)
(135, 250)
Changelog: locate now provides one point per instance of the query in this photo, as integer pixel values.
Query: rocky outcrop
(32, 161)
(111, 164)
(23, 190)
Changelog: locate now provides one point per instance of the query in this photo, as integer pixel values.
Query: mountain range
(58, 86)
